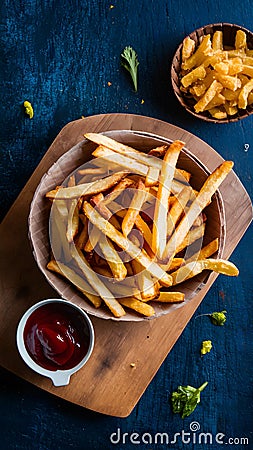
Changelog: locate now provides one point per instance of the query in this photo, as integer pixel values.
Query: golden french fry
(117, 266)
(116, 190)
(196, 74)
(76, 280)
(95, 187)
(188, 48)
(58, 228)
(144, 229)
(193, 268)
(162, 200)
(240, 40)
(138, 306)
(119, 239)
(217, 41)
(93, 171)
(82, 238)
(243, 96)
(203, 198)
(177, 209)
(73, 220)
(138, 199)
(170, 297)
(215, 88)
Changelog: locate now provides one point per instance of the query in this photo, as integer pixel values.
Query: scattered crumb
(111, 6)
(222, 294)
(246, 147)
(109, 83)
(142, 101)
(82, 117)
(132, 365)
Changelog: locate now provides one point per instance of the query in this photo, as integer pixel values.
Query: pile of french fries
(122, 227)
(220, 80)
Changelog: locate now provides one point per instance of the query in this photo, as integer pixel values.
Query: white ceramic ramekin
(58, 377)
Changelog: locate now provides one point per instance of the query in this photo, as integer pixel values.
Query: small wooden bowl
(229, 32)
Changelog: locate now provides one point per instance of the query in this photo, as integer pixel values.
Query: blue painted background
(60, 55)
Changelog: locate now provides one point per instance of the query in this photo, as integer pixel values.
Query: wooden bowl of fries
(103, 220)
(212, 73)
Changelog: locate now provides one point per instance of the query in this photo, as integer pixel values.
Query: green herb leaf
(185, 399)
(130, 61)
(218, 318)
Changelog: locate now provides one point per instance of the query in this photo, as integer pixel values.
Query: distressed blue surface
(60, 55)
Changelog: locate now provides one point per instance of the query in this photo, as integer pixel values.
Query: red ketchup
(56, 336)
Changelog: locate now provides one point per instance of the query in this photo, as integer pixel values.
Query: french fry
(240, 40)
(82, 238)
(137, 305)
(170, 297)
(193, 268)
(162, 199)
(188, 48)
(177, 209)
(119, 239)
(57, 229)
(116, 191)
(73, 220)
(214, 89)
(243, 96)
(117, 266)
(95, 187)
(217, 41)
(144, 229)
(92, 171)
(196, 74)
(75, 279)
(203, 198)
(138, 199)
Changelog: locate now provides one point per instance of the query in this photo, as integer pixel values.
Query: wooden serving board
(107, 383)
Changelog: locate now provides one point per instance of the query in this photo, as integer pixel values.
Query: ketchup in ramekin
(55, 338)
